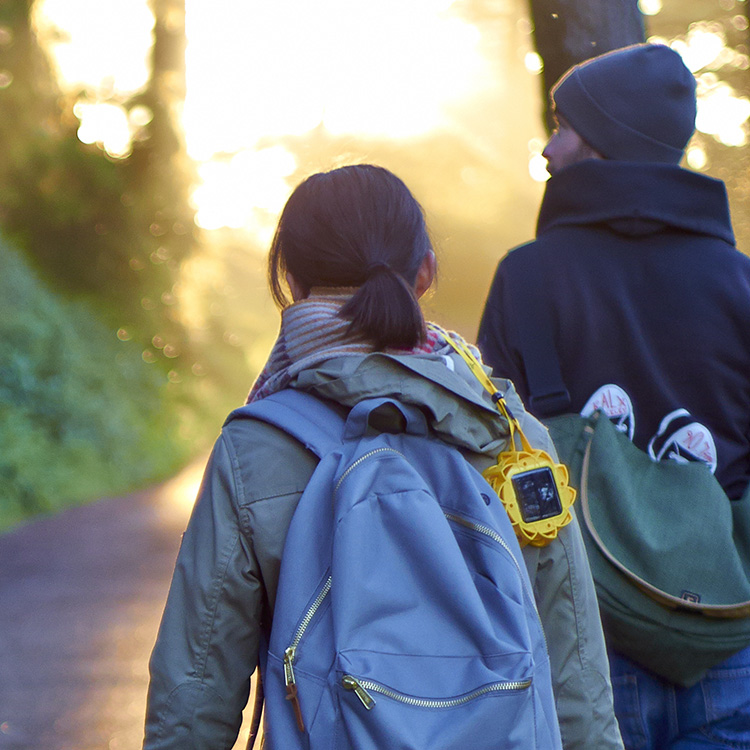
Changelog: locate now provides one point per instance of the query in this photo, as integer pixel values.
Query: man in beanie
(648, 304)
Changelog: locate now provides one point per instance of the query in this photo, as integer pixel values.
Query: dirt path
(81, 596)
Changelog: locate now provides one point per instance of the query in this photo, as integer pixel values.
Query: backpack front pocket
(439, 703)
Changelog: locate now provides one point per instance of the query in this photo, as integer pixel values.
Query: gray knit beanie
(632, 104)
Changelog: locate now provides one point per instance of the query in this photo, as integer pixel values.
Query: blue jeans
(657, 715)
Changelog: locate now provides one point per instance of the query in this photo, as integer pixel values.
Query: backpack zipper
(362, 689)
(482, 529)
(291, 653)
(492, 534)
(362, 458)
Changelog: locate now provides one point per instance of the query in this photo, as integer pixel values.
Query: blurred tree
(567, 32)
(112, 230)
(159, 174)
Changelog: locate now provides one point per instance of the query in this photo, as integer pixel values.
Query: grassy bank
(81, 414)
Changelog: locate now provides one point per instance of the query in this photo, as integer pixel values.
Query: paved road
(81, 596)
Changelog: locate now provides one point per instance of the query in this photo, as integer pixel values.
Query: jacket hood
(636, 199)
(456, 405)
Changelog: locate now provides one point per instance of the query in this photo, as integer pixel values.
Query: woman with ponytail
(360, 228)
(353, 249)
(350, 259)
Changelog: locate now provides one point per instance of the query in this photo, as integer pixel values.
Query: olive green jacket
(224, 586)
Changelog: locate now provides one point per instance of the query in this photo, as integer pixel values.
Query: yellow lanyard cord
(549, 489)
(497, 397)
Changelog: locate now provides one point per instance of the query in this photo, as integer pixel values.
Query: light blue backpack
(404, 615)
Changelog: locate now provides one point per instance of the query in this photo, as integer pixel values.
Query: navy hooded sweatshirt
(649, 304)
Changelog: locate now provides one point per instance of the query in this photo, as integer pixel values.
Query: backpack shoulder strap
(319, 426)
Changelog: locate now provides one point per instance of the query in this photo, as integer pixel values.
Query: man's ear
(425, 274)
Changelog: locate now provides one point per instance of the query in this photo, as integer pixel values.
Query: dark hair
(357, 226)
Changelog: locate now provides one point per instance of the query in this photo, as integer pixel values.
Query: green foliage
(81, 414)
(109, 231)
(84, 413)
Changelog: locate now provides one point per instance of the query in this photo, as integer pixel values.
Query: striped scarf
(311, 333)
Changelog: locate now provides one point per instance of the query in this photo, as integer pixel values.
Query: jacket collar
(636, 198)
(442, 386)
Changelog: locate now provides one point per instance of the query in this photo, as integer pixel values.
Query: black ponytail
(357, 226)
(386, 311)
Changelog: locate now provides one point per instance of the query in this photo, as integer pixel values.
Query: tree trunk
(159, 164)
(567, 32)
(159, 174)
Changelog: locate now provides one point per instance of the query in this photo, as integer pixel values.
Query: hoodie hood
(636, 199)
(457, 407)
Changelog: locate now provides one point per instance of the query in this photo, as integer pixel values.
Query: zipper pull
(351, 683)
(291, 686)
(289, 656)
(291, 695)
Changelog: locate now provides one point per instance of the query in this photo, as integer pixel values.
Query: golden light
(107, 51)
(702, 46)
(696, 158)
(390, 69)
(538, 168)
(180, 492)
(533, 62)
(650, 7)
(537, 163)
(373, 69)
(721, 113)
(355, 66)
(106, 44)
(106, 124)
(246, 190)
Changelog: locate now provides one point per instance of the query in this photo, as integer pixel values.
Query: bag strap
(319, 427)
(548, 395)
(316, 424)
